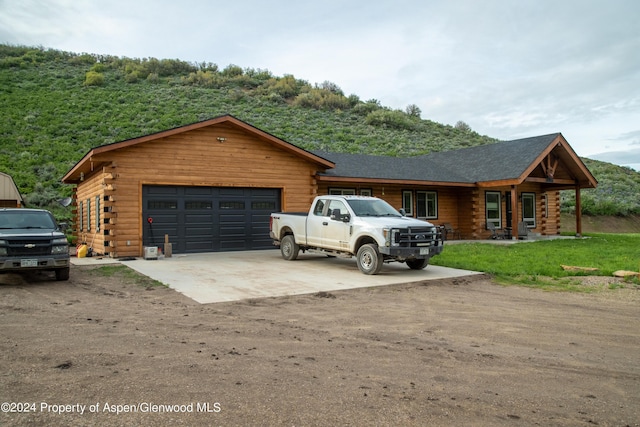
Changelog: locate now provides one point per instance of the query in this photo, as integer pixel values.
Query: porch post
(578, 213)
(514, 212)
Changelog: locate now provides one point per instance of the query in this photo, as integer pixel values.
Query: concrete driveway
(232, 276)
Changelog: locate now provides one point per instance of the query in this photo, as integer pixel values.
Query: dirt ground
(100, 350)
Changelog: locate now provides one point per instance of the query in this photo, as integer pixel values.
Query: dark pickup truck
(30, 239)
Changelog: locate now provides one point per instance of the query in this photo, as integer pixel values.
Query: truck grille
(29, 247)
(418, 237)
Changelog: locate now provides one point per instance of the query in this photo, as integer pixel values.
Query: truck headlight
(391, 236)
(57, 250)
(60, 246)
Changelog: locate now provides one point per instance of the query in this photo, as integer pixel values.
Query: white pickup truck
(367, 227)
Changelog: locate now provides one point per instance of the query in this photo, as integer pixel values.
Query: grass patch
(126, 273)
(539, 263)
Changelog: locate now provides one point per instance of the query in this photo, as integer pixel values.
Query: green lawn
(539, 263)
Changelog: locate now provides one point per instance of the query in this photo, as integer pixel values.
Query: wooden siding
(93, 229)
(464, 208)
(193, 158)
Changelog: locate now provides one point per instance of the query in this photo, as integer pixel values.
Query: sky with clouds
(509, 69)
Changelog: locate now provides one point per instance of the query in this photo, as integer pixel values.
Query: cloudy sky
(508, 68)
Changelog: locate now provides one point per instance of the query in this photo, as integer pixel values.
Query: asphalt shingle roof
(491, 162)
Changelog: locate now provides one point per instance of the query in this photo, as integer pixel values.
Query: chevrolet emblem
(30, 245)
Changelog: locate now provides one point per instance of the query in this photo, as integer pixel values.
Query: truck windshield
(25, 220)
(372, 207)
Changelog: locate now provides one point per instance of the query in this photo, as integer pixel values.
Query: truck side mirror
(336, 215)
(403, 212)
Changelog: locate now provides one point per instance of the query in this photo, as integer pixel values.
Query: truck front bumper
(413, 252)
(8, 265)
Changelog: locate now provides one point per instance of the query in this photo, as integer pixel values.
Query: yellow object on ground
(81, 251)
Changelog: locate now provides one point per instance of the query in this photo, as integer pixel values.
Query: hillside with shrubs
(57, 105)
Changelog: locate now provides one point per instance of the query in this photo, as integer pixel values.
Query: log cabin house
(211, 186)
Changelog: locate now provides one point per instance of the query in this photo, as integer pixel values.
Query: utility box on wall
(150, 252)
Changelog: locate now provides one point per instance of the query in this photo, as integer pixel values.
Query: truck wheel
(369, 259)
(417, 264)
(62, 274)
(289, 248)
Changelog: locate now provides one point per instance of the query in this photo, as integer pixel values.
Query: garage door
(208, 219)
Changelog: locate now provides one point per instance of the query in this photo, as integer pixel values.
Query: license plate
(424, 251)
(28, 263)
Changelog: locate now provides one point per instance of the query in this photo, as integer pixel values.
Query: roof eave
(331, 178)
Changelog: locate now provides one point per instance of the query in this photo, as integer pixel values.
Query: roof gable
(73, 175)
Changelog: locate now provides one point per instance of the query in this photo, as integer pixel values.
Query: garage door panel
(206, 219)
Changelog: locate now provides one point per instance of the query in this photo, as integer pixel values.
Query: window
(342, 191)
(317, 211)
(265, 206)
(427, 204)
(366, 192)
(88, 214)
(198, 204)
(493, 211)
(162, 204)
(80, 217)
(97, 213)
(337, 204)
(529, 209)
(407, 202)
(234, 205)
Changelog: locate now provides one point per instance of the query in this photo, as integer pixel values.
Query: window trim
(407, 209)
(89, 214)
(530, 221)
(81, 216)
(342, 191)
(97, 213)
(497, 221)
(428, 193)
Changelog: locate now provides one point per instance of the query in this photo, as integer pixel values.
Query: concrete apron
(232, 276)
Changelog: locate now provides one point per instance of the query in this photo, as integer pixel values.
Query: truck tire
(417, 264)
(289, 248)
(369, 259)
(62, 274)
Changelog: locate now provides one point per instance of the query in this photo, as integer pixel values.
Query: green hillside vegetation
(57, 105)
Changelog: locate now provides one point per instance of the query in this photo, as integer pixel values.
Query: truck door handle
(325, 223)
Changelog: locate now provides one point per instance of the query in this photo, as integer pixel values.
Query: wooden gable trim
(74, 174)
(549, 163)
